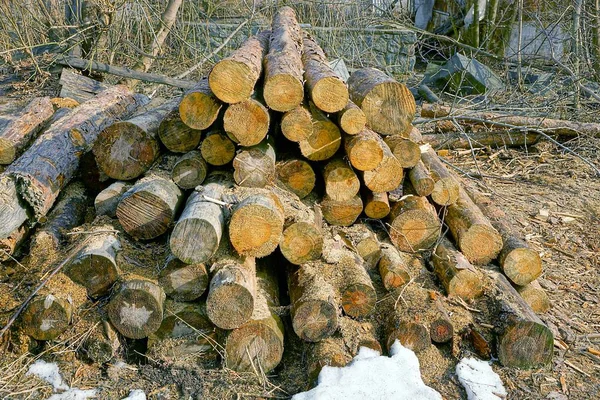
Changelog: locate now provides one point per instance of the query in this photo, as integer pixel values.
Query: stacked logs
(242, 236)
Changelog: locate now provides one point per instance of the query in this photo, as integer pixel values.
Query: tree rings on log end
(283, 92)
(314, 320)
(521, 265)
(183, 282)
(526, 344)
(480, 244)
(301, 242)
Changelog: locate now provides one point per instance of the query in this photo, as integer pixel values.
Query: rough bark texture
(341, 182)
(330, 351)
(325, 139)
(456, 273)
(341, 213)
(364, 150)
(446, 188)
(351, 119)
(177, 136)
(297, 176)
(255, 166)
(297, 124)
(189, 170)
(217, 149)
(247, 122)
(475, 139)
(199, 107)
(181, 281)
(106, 201)
(78, 87)
(414, 224)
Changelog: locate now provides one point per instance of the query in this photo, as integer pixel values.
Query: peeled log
(341, 213)
(358, 294)
(535, 296)
(325, 139)
(476, 237)
(147, 209)
(297, 124)
(106, 201)
(297, 176)
(456, 273)
(406, 150)
(421, 179)
(323, 85)
(177, 136)
(127, 149)
(493, 139)
(330, 351)
(394, 267)
(189, 170)
(198, 232)
(247, 121)
(446, 188)
(388, 105)
(314, 307)
(255, 166)
(352, 119)
(199, 107)
(233, 78)
(217, 148)
(341, 182)
(283, 88)
(377, 205)
(136, 308)
(181, 281)
(15, 137)
(365, 149)
(414, 224)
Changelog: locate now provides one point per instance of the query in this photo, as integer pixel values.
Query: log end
(526, 345)
(480, 244)
(177, 136)
(390, 108)
(445, 192)
(441, 330)
(283, 92)
(315, 320)
(229, 306)
(353, 121)
(341, 213)
(199, 110)
(522, 266)
(330, 94)
(297, 176)
(96, 272)
(407, 152)
(365, 155)
(231, 81)
(377, 208)
(358, 299)
(296, 124)
(247, 121)
(411, 335)
(194, 240)
(323, 143)
(301, 242)
(144, 206)
(217, 149)
(466, 284)
(46, 317)
(395, 279)
(183, 282)
(415, 230)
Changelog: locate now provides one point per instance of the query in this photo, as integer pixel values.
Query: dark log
(181, 281)
(189, 170)
(177, 136)
(217, 148)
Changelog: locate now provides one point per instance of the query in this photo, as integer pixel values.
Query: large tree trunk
(78, 87)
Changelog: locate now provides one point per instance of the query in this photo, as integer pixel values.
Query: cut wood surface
(364, 240)
(189, 170)
(446, 188)
(297, 176)
(387, 176)
(421, 179)
(102, 344)
(106, 201)
(199, 107)
(341, 213)
(181, 281)
(351, 119)
(325, 139)
(394, 267)
(377, 205)
(414, 224)
(15, 137)
(535, 296)
(405, 150)
(255, 166)
(388, 105)
(177, 136)
(364, 150)
(331, 352)
(247, 122)
(412, 335)
(456, 273)
(297, 124)
(357, 291)
(217, 148)
(341, 182)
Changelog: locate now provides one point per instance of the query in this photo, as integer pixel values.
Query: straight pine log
(446, 188)
(341, 213)
(341, 182)
(414, 224)
(421, 179)
(456, 273)
(189, 170)
(297, 124)
(325, 139)
(181, 281)
(351, 119)
(387, 176)
(377, 205)
(493, 139)
(297, 176)
(217, 148)
(106, 201)
(247, 122)
(255, 166)
(199, 107)
(364, 149)
(356, 289)
(395, 266)
(176, 136)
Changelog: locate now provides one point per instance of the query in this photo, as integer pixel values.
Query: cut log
(421, 179)
(199, 107)
(358, 294)
(182, 319)
(314, 307)
(364, 241)
(297, 124)
(492, 139)
(387, 176)
(414, 224)
(255, 166)
(147, 209)
(231, 295)
(95, 266)
(456, 273)
(181, 281)
(446, 188)
(405, 150)
(441, 329)
(283, 88)
(330, 351)
(258, 344)
(325, 139)
(524, 340)
(297, 176)
(341, 213)
(15, 137)
(217, 148)
(535, 296)
(476, 237)
(351, 119)
(198, 232)
(107, 200)
(412, 335)
(357, 334)
(102, 344)
(136, 308)
(364, 150)
(233, 78)
(247, 122)
(394, 267)
(341, 182)
(377, 205)
(127, 149)
(10, 244)
(323, 85)
(388, 105)
(78, 87)
(190, 170)
(256, 225)
(177, 136)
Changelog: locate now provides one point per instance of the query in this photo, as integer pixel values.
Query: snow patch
(479, 380)
(74, 394)
(370, 376)
(50, 373)
(136, 394)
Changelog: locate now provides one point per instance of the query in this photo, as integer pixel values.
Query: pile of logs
(255, 179)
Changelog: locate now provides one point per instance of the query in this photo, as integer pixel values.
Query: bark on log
(182, 319)
(181, 281)
(217, 149)
(365, 150)
(421, 179)
(297, 124)
(388, 105)
(147, 210)
(78, 87)
(10, 244)
(106, 201)
(377, 205)
(177, 136)
(297, 176)
(233, 78)
(255, 166)
(351, 119)
(326, 90)
(189, 170)
(325, 139)
(456, 273)
(136, 308)
(341, 213)
(394, 267)
(199, 107)
(476, 237)
(535, 296)
(15, 137)
(330, 351)
(357, 291)
(414, 224)
(283, 88)
(341, 182)
(247, 122)
(314, 306)
(494, 139)
(102, 344)
(446, 188)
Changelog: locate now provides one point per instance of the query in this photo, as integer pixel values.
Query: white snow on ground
(479, 380)
(51, 374)
(136, 394)
(370, 376)
(74, 394)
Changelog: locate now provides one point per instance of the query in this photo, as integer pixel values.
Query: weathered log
(283, 88)
(351, 119)
(102, 342)
(357, 292)
(180, 320)
(441, 329)
(15, 137)
(136, 308)
(323, 85)
(255, 166)
(217, 148)
(535, 296)
(387, 176)
(405, 150)
(198, 232)
(78, 87)
(297, 124)
(357, 334)
(364, 241)
(454, 141)
(341, 182)
(314, 306)
(247, 122)
(106, 201)
(476, 237)
(95, 266)
(181, 281)
(364, 150)
(199, 107)
(456, 273)
(414, 224)
(147, 210)
(127, 149)
(177, 136)
(325, 139)
(421, 179)
(189, 170)
(394, 267)
(446, 188)
(341, 213)
(411, 334)
(233, 78)
(330, 351)
(377, 205)
(297, 176)
(524, 340)
(11, 243)
(388, 105)
(258, 344)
